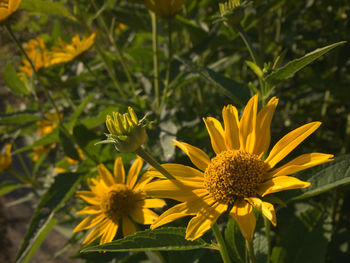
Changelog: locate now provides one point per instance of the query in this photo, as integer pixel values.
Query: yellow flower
(37, 53)
(7, 8)
(6, 158)
(68, 52)
(113, 201)
(236, 177)
(165, 8)
(46, 126)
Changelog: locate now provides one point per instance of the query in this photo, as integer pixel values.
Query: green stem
(114, 43)
(268, 237)
(148, 158)
(250, 249)
(155, 57)
(20, 158)
(221, 242)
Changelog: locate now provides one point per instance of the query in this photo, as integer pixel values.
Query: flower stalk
(221, 242)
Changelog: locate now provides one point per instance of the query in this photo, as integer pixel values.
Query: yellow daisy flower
(113, 201)
(7, 8)
(165, 8)
(237, 177)
(68, 52)
(6, 158)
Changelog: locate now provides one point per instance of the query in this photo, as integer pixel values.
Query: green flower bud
(232, 12)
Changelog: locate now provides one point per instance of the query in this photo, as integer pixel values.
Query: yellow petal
(142, 182)
(128, 227)
(280, 183)
(109, 233)
(216, 133)
(134, 172)
(263, 123)
(184, 209)
(231, 122)
(199, 158)
(105, 175)
(247, 125)
(89, 197)
(90, 210)
(118, 171)
(287, 144)
(89, 222)
(143, 216)
(300, 163)
(169, 189)
(151, 203)
(204, 220)
(243, 213)
(266, 208)
(95, 233)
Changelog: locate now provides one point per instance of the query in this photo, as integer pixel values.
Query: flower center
(118, 202)
(233, 175)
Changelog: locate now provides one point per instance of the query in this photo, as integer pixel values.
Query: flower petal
(216, 133)
(118, 171)
(144, 216)
(204, 220)
(199, 158)
(287, 144)
(263, 122)
(151, 203)
(134, 172)
(280, 183)
(142, 182)
(89, 197)
(231, 122)
(89, 222)
(90, 210)
(300, 163)
(128, 227)
(109, 233)
(105, 175)
(243, 213)
(98, 231)
(184, 209)
(266, 208)
(247, 125)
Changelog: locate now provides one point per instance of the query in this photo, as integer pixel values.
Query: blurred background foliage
(208, 70)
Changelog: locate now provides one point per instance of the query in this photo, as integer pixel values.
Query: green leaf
(235, 241)
(49, 138)
(8, 186)
(237, 92)
(20, 117)
(161, 239)
(255, 68)
(46, 7)
(58, 193)
(13, 82)
(68, 146)
(294, 66)
(278, 255)
(323, 178)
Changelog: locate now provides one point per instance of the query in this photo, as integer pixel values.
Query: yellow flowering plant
(7, 8)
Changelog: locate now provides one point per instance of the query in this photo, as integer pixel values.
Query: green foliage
(13, 82)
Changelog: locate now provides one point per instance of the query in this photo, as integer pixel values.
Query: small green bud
(232, 12)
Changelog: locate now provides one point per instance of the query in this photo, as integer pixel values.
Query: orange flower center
(233, 175)
(118, 202)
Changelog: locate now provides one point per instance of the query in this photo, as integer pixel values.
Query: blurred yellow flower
(68, 52)
(67, 161)
(6, 158)
(120, 27)
(237, 177)
(37, 53)
(113, 201)
(164, 8)
(7, 8)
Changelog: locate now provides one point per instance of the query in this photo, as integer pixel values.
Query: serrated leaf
(237, 92)
(58, 193)
(46, 7)
(68, 146)
(161, 239)
(13, 82)
(8, 186)
(18, 118)
(322, 178)
(235, 241)
(294, 66)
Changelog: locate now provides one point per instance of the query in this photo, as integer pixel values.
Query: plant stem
(268, 237)
(155, 57)
(148, 158)
(221, 242)
(247, 43)
(250, 249)
(25, 168)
